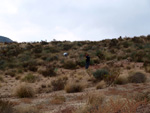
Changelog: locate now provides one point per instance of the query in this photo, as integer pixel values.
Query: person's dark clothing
(87, 62)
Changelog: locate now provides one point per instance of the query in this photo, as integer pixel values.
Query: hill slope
(5, 39)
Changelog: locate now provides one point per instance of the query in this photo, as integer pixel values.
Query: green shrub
(100, 55)
(67, 47)
(24, 91)
(29, 78)
(101, 74)
(137, 77)
(81, 63)
(2, 64)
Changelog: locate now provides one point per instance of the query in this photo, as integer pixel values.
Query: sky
(73, 20)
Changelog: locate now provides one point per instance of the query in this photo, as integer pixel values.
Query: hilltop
(37, 77)
(5, 39)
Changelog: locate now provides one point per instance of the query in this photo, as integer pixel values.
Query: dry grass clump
(24, 91)
(121, 80)
(102, 84)
(59, 83)
(28, 110)
(48, 72)
(113, 106)
(11, 73)
(1, 78)
(6, 107)
(70, 64)
(58, 100)
(29, 78)
(137, 77)
(74, 87)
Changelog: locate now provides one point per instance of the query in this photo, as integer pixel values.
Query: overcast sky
(36, 20)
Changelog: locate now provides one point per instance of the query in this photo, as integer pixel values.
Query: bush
(81, 63)
(28, 110)
(73, 88)
(69, 65)
(29, 78)
(101, 85)
(12, 73)
(49, 72)
(6, 107)
(137, 77)
(1, 78)
(59, 83)
(101, 74)
(120, 81)
(24, 91)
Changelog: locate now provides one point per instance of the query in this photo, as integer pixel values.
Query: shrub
(67, 47)
(28, 110)
(69, 65)
(6, 107)
(29, 78)
(48, 72)
(137, 77)
(12, 73)
(2, 64)
(121, 80)
(100, 55)
(1, 78)
(101, 85)
(24, 91)
(81, 63)
(101, 74)
(74, 87)
(59, 83)
(32, 68)
(58, 100)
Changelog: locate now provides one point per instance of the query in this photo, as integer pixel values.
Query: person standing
(87, 61)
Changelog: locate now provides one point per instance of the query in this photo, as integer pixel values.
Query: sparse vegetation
(111, 61)
(121, 80)
(137, 77)
(101, 74)
(102, 84)
(74, 87)
(59, 83)
(24, 91)
(6, 107)
(30, 78)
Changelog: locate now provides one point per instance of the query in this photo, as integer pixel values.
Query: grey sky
(36, 20)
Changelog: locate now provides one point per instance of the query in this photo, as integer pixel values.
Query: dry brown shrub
(1, 78)
(6, 107)
(59, 83)
(28, 110)
(113, 106)
(74, 87)
(121, 80)
(24, 91)
(137, 77)
(58, 100)
(102, 84)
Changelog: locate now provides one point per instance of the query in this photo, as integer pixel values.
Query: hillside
(5, 39)
(36, 77)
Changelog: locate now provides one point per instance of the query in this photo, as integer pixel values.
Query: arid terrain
(37, 78)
